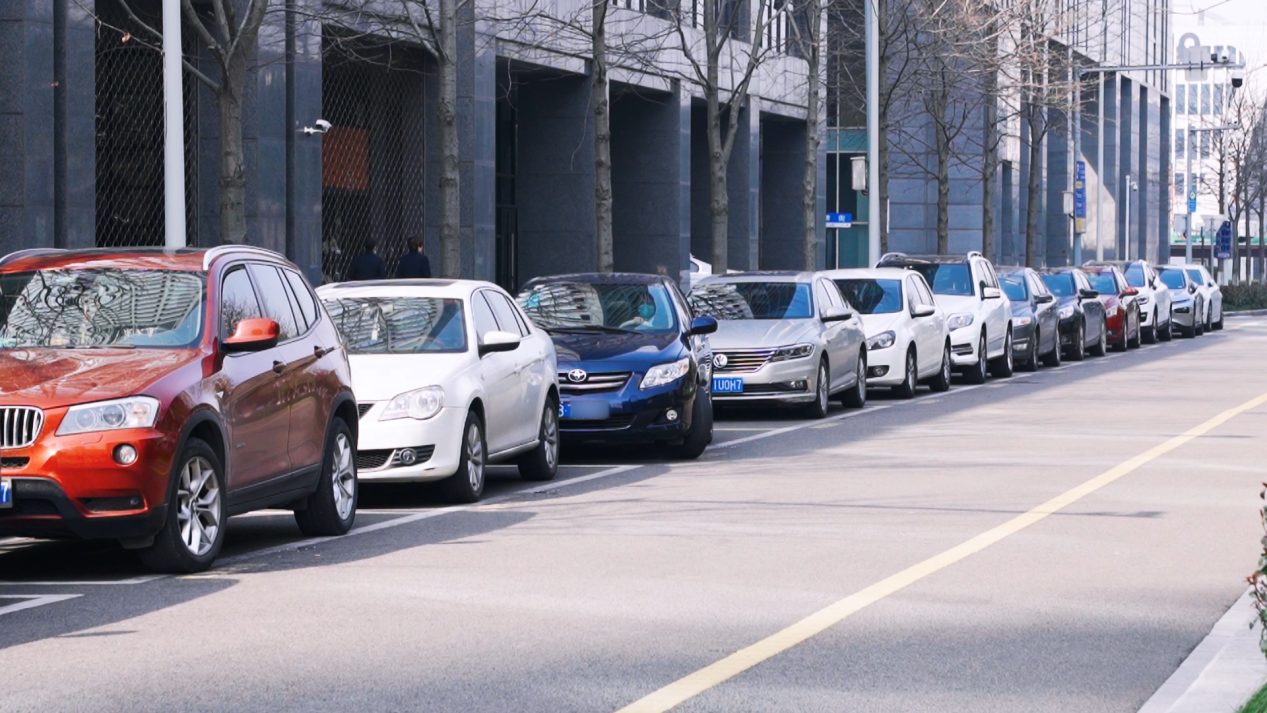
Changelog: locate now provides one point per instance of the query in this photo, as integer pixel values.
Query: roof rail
(29, 252)
(975, 253)
(219, 250)
(895, 256)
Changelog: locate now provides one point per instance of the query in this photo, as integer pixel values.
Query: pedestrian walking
(368, 265)
(414, 264)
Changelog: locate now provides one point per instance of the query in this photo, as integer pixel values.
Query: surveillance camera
(1223, 58)
(1214, 57)
(323, 125)
(1238, 79)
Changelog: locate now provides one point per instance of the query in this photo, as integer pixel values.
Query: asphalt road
(1056, 541)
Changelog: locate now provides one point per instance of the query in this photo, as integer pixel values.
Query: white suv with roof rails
(978, 314)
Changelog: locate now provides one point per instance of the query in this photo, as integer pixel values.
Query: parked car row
(147, 395)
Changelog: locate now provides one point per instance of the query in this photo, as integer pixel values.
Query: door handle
(279, 367)
(318, 352)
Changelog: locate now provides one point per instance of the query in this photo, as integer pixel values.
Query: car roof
(908, 259)
(1012, 269)
(615, 278)
(761, 276)
(135, 258)
(1059, 270)
(873, 273)
(456, 289)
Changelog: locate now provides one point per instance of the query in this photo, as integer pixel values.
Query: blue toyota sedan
(634, 364)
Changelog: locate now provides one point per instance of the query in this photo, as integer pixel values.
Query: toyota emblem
(720, 361)
(576, 376)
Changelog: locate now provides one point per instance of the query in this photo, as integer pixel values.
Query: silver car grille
(742, 361)
(20, 426)
(594, 383)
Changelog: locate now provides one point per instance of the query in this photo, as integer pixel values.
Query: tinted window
(1135, 276)
(1173, 279)
(275, 299)
(1196, 276)
(485, 322)
(1061, 284)
(399, 325)
(504, 313)
(752, 300)
(987, 274)
(947, 279)
(303, 297)
(872, 296)
(925, 295)
(824, 297)
(1036, 285)
(609, 306)
(237, 301)
(1103, 283)
(1015, 288)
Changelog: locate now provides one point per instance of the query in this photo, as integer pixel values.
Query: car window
(1037, 286)
(1173, 279)
(824, 298)
(947, 279)
(1196, 276)
(1104, 283)
(303, 297)
(237, 301)
(398, 325)
(1014, 287)
(598, 306)
(925, 294)
(274, 299)
(752, 300)
(504, 313)
(1136, 276)
(485, 322)
(872, 296)
(1063, 284)
(991, 280)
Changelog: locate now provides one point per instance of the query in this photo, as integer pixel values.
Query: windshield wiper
(591, 328)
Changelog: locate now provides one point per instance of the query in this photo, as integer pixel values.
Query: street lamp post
(872, 24)
(1131, 186)
(1191, 180)
(174, 129)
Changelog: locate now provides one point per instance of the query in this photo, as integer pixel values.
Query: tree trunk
(943, 192)
(718, 199)
(600, 101)
(1262, 238)
(809, 181)
(232, 180)
(1033, 183)
(990, 167)
(882, 121)
(446, 110)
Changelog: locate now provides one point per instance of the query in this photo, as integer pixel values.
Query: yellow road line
(696, 683)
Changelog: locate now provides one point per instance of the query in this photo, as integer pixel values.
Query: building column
(782, 166)
(1128, 165)
(304, 178)
(743, 187)
(26, 125)
(1056, 249)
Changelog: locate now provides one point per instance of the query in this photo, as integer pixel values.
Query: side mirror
(253, 335)
(702, 325)
(982, 288)
(837, 314)
(1192, 289)
(1088, 294)
(923, 311)
(991, 293)
(1131, 292)
(1152, 283)
(1044, 299)
(499, 342)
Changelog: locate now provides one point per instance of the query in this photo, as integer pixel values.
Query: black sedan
(1035, 324)
(1082, 320)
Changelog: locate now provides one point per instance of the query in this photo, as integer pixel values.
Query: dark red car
(1121, 310)
(148, 395)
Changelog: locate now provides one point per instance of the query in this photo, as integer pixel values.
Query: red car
(148, 395)
(1121, 310)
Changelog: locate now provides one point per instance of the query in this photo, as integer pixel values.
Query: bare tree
(807, 36)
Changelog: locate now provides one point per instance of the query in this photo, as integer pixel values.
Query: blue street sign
(1080, 191)
(1223, 241)
(1192, 201)
(839, 220)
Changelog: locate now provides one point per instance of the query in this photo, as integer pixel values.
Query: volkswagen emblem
(720, 361)
(576, 376)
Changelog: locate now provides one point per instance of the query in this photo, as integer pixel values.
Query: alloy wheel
(945, 364)
(824, 388)
(983, 364)
(475, 456)
(550, 435)
(344, 477)
(910, 370)
(198, 506)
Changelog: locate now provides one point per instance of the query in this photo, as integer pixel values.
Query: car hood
(763, 333)
(874, 324)
(1068, 301)
(1179, 294)
(633, 351)
(49, 378)
(378, 377)
(958, 304)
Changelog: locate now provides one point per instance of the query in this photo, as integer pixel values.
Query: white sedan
(907, 338)
(449, 376)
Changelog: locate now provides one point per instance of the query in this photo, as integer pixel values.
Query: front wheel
(906, 389)
(1150, 335)
(856, 396)
(1036, 341)
(467, 484)
(542, 462)
(1102, 346)
(1004, 365)
(941, 382)
(1053, 357)
(822, 392)
(701, 433)
(332, 508)
(194, 530)
(1078, 351)
(1133, 343)
(1166, 334)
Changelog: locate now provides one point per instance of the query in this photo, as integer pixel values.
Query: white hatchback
(449, 376)
(907, 338)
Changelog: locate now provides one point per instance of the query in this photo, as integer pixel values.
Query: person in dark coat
(368, 265)
(414, 264)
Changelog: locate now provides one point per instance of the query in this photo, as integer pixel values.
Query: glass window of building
(1179, 184)
(1218, 99)
(1181, 106)
(1193, 90)
(1179, 140)
(1205, 99)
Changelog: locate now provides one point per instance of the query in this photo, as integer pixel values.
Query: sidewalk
(1221, 673)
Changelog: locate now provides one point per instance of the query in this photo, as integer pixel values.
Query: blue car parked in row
(634, 364)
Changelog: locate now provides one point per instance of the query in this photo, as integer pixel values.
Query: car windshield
(606, 306)
(1060, 284)
(1173, 279)
(1103, 283)
(952, 279)
(1135, 276)
(753, 300)
(1196, 276)
(399, 325)
(872, 296)
(1014, 286)
(101, 307)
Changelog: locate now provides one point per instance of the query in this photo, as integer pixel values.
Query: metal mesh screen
(129, 112)
(373, 157)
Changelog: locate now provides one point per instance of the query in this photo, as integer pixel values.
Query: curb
(1221, 673)
(1245, 313)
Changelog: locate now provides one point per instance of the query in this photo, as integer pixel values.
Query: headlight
(132, 412)
(420, 404)
(1142, 299)
(1183, 300)
(1021, 321)
(959, 321)
(883, 340)
(662, 374)
(796, 351)
(1065, 312)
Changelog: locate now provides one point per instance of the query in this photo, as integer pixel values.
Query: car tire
(198, 481)
(1149, 335)
(822, 392)
(1078, 351)
(910, 377)
(1054, 358)
(1167, 334)
(332, 508)
(701, 433)
(1218, 326)
(941, 382)
(1102, 346)
(1134, 343)
(542, 463)
(1198, 327)
(1031, 364)
(856, 396)
(467, 484)
(979, 370)
(1004, 366)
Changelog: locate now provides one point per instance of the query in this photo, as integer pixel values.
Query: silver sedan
(783, 338)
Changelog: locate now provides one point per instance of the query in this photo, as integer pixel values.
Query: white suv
(978, 314)
(1210, 293)
(449, 376)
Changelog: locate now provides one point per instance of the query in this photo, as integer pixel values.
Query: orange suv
(148, 395)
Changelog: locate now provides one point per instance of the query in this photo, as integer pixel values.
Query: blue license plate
(6, 493)
(565, 410)
(727, 385)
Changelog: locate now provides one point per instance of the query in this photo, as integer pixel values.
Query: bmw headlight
(662, 374)
(1021, 321)
(132, 412)
(420, 404)
(796, 351)
(883, 340)
(959, 321)
(1065, 312)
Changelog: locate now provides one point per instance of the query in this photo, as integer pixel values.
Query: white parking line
(83, 583)
(32, 601)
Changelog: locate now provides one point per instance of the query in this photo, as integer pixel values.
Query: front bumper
(1184, 314)
(381, 445)
(963, 346)
(1023, 344)
(777, 382)
(632, 414)
(886, 367)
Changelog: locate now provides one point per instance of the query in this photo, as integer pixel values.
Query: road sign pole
(1191, 182)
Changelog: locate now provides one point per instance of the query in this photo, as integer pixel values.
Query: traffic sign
(1223, 241)
(840, 220)
(1080, 191)
(1192, 201)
